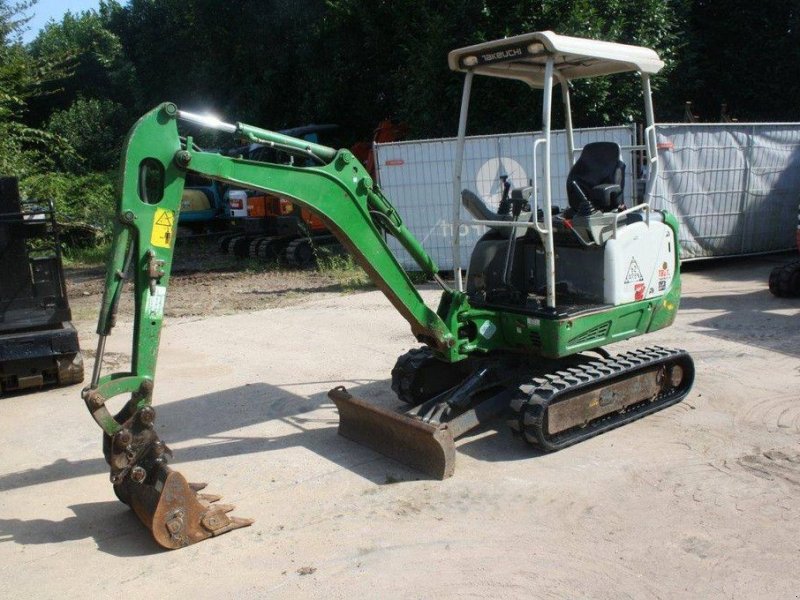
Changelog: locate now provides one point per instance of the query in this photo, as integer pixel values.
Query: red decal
(665, 146)
(638, 290)
(395, 162)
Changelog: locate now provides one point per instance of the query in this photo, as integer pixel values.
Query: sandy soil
(701, 500)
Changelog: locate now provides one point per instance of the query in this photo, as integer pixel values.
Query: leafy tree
(745, 54)
(241, 60)
(85, 198)
(382, 57)
(98, 63)
(94, 129)
(22, 77)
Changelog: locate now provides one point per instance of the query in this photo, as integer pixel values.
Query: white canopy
(524, 56)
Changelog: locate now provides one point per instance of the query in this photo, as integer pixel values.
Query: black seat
(597, 179)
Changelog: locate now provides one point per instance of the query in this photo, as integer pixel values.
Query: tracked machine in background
(268, 227)
(38, 344)
(784, 281)
(525, 336)
(275, 228)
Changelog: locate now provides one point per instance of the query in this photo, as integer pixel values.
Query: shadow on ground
(204, 422)
(751, 317)
(114, 528)
(207, 418)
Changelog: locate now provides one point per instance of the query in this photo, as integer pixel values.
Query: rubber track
(291, 250)
(404, 372)
(529, 407)
(784, 281)
(418, 376)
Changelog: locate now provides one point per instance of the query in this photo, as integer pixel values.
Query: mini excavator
(523, 336)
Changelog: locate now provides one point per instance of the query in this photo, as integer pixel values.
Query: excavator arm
(155, 163)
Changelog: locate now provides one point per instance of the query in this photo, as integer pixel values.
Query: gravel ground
(701, 500)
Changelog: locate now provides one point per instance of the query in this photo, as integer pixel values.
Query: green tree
(98, 63)
(94, 129)
(23, 149)
(381, 57)
(744, 54)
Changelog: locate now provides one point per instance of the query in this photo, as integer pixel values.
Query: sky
(44, 10)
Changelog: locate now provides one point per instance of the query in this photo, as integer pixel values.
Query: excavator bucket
(413, 442)
(174, 511)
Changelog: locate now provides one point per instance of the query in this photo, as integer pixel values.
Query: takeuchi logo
(501, 55)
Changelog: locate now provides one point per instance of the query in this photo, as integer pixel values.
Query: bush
(87, 199)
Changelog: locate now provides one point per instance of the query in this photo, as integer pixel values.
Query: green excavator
(523, 336)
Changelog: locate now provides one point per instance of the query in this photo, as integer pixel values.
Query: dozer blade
(423, 446)
(174, 512)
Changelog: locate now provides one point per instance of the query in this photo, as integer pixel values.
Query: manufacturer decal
(663, 272)
(662, 285)
(501, 55)
(634, 272)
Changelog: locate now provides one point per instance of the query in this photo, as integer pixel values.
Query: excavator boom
(337, 188)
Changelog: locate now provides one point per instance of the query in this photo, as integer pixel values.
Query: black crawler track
(531, 406)
(784, 281)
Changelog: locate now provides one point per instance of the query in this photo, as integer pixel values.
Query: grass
(340, 267)
(93, 256)
(350, 276)
(344, 270)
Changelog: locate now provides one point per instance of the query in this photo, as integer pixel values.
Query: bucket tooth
(424, 446)
(175, 513)
(208, 497)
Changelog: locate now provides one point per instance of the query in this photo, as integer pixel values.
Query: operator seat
(597, 179)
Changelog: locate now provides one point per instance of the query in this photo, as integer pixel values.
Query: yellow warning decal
(163, 222)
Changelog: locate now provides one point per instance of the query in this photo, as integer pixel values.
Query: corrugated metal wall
(733, 187)
(417, 177)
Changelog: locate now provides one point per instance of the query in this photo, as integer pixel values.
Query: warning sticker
(638, 291)
(163, 222)
(663, 272)
(634, 272)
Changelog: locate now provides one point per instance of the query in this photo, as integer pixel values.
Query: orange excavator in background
(388, 130)
(269, 227)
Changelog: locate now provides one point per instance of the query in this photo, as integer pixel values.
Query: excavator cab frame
(542, 60)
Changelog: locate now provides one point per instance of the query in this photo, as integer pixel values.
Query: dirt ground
(701, 500)
(207, 282)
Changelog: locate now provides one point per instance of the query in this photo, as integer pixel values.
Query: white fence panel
(734, 187)
(417, 177)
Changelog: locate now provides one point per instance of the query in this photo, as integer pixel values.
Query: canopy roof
(524, 56)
